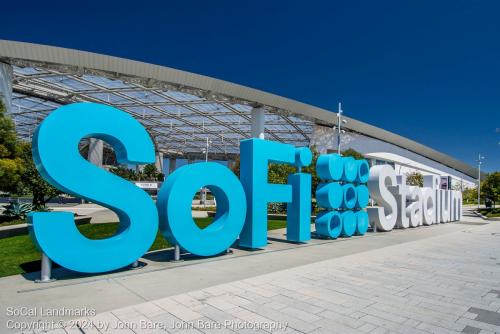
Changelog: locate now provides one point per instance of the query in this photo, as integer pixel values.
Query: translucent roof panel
(233, 119)
(178, 122)
(67, 83)
(184, 97)
(210, 107)
(27, 70)
(110, 98)
(176, 109)
(105, 82)
(143, 111)
(145, 96)
(242, 108)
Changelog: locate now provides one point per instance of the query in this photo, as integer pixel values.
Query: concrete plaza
(439, 279)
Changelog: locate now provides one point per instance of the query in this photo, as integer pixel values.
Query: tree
(236, 166)
(33, 183)
(11, 165)
(415, 179)
(18, 174)
(150, 173)
(124, 173)
(278, 173)
(8, 139)
(350, 152)
(469, 195)
(490, 187)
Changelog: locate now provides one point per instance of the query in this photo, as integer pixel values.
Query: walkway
(438, 279)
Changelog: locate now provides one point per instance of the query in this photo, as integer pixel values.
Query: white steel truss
(179, 122)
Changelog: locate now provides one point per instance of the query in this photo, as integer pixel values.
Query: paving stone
(148, 309)
(167, 320)
(342, 319)
(483, 331)
(411, 323)
(304, 306)
(471, 330)
(367, 328)
(180, 311)
(216, 314)
(478, 324)
(469, 315)
(393, 317)
(435, 329)
(220, 303)
(489, 317)
(57, 331)
(275, 305)
(379, 322)
(380, 330)
(300, 325)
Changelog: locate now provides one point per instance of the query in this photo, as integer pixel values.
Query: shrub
(16, 210)
(415, 179)
(277, 208)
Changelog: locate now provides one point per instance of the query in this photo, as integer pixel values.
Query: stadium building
(188, 115)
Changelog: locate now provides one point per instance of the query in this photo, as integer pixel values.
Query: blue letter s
(57, 158)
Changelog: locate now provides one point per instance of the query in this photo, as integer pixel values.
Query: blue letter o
(174, 208)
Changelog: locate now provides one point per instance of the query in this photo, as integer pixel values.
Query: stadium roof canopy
(179, 109)
(178, 120)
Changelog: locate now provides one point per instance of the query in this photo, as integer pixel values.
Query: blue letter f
(255, 155)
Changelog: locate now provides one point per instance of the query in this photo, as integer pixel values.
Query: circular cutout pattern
(363, 171)
(329, 224)
(349, 196)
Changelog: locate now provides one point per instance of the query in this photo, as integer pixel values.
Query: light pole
(339, 126)
(206, 149)
(204, 192)
(479, 163)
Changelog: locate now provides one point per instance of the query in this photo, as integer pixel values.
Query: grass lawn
(490, 212)
(17, 252)
(7, 222)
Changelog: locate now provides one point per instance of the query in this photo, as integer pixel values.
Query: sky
(427, 70)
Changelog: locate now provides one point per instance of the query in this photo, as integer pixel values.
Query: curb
(486, 218)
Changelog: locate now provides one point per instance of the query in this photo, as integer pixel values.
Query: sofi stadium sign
(343, 194)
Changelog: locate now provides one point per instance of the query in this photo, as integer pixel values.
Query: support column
(96, 148)
(258, 122)
(159, 161)
(6, 75)
(172, 165)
